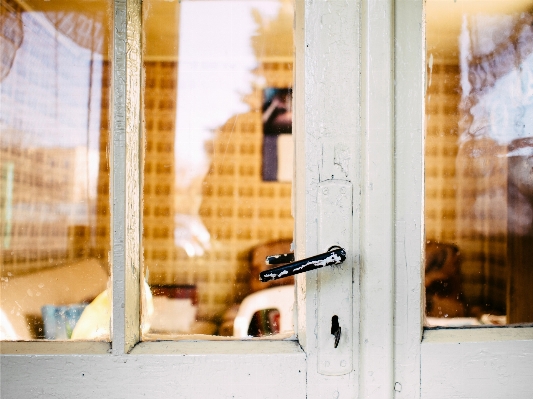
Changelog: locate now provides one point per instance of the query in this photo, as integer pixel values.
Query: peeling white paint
(334, 111)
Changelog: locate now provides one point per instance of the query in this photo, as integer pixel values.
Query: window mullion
(377, 225)
(125, 175)
(409, 70)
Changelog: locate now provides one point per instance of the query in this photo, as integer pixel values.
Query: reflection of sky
(215, 63)
(45, 96)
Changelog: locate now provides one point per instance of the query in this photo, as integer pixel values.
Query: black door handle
(335, 255)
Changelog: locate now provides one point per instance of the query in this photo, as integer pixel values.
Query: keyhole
(336, 329)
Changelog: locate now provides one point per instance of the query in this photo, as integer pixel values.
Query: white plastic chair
(280, 298)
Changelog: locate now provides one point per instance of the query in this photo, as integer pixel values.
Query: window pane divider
(478, 334)
(377, 202)
(409, 67)
(126, 176)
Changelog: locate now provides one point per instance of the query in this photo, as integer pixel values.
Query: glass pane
(54, 187)
(217, 163)
(479, 162)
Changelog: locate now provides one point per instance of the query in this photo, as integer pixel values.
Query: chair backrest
(280, 298)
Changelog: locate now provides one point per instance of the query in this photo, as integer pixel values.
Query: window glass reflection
(218, 162)
(54, 174)
(478, 162)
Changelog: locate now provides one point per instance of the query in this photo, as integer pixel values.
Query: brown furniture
(257, 264)
(520, 232)
(444, 297)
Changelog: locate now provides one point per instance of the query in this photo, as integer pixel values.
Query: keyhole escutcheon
(336, 329)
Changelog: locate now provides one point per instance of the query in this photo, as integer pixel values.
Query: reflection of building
(238, 209)
(44, 206)
(102, 234)
(160, 252)
(48, 155)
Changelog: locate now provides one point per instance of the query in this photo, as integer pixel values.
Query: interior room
(477, 198)
(216, 186)
(217, 168)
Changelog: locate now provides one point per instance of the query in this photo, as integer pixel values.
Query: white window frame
(127, 366)
(464, 363)
(359, 79)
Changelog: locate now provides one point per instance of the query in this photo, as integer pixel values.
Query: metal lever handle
(278, 259)
(335, 255)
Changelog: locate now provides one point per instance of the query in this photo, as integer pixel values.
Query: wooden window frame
(371, 99)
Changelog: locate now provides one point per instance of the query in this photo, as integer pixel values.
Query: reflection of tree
(84, 24)
(271, 43)
(487, 71)
(85, 29)
(494, 175)
(273, 38)
(11, 34)
(239, 209)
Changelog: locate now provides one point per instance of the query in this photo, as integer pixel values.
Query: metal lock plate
(335, 282)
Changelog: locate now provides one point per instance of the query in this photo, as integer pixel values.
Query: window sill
(188, 345)
(54, 348)
(477, 334)
(219, 347)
